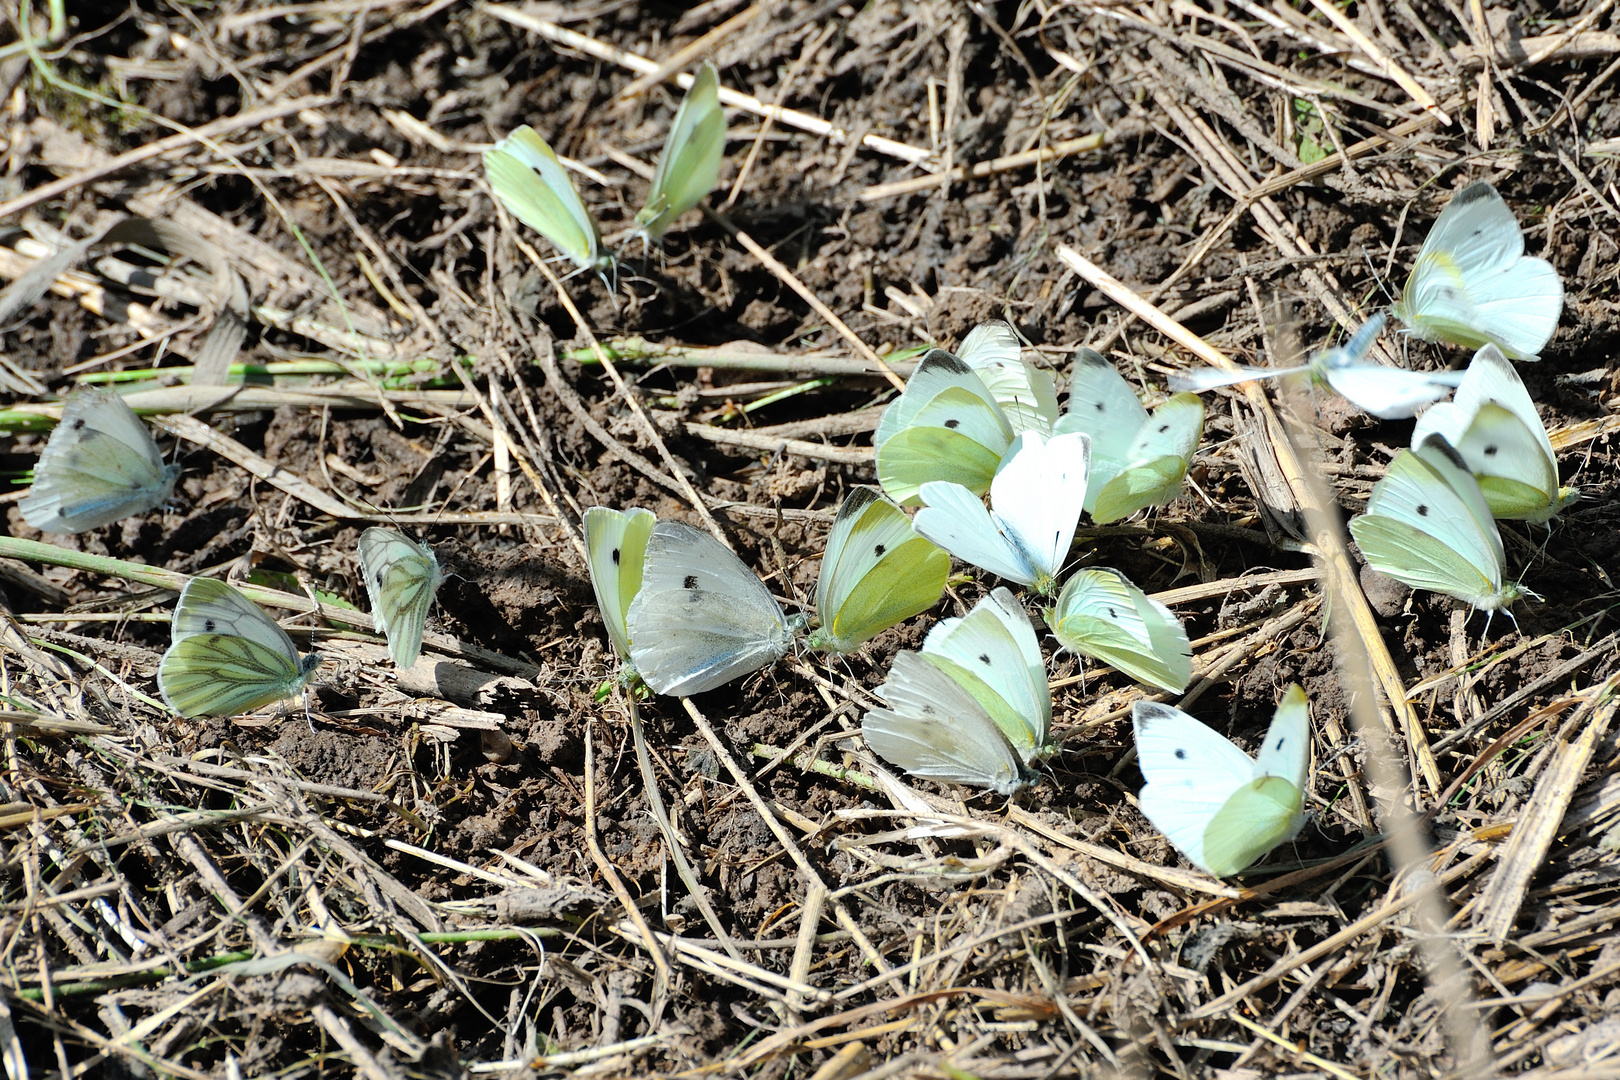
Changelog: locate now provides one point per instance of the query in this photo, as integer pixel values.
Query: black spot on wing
(1490, 451)
(984, 658)
(1181, 755)
(878, 550)
(690, 582)
(1163, 428)
(78, 424)
(208, 625)
(1423, 510)
(615, 556)
(953, 424)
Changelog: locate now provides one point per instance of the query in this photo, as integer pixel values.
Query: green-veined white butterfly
(875, 573)
(1025, 393)
(1219, 807)
(227, 657)
(534, 187)
(690, 165)
(99, 465)
(1137, 459)
(946, 425)
(701, 618)
(615, 550)
(1427, 526)
(1035, 505)
(973, 707)
(1388, 393)
(1495, 427)
(1473, 284)
(1102, 615)
(401, 578)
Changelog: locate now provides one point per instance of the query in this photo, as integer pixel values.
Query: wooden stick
(985, 168)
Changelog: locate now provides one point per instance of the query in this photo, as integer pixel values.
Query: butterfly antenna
(1380, 278)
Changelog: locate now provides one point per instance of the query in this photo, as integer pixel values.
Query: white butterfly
(402, 575)
(227, 657)
(1220, 808)
(1427, 526)
(875, 572)
(701, 617)
(615, 552)
(1036, 500)
(1102, 615)
(946, 425)
(972, 707)
(1385, 392)
(1025, 393)
(1473, 285)
(99, 465)
(1137, 460)
(1494, 425)
(689, 167)
(534, 187)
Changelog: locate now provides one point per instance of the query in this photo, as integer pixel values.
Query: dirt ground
(459, 870)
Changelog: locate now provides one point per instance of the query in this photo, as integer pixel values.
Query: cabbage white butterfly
(1036, 498)
(1137, 460)
(534, 187)
(1494, 425)
(1220, 808)
(615, 551)
(1025, 393)
(701, 618)
(401, 577)
(1427, 526)
(689, 167)
(227, 657)
(1102, 615)
(973, 706)
(99, 465)
(946, 425)
(875, 573)
(1473, 285)
(1388, 393)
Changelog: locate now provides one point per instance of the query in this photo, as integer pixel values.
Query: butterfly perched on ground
(1473, 285)
(1218, 806)
(99, 465)
(689, 167)
(1494, 425)
(973, 706)
(226, 656)
(402, 575)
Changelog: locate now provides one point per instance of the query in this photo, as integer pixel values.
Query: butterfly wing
(1494, 425)
(1191, 771)
(99, 465)
(995, 656)
(227, 675)
(1102, 615)
(615, 549)
(1025, 393)
(1473, 285)
(1197, 380)
(1037, 497)
(957, 521)
(875, 573)
(936, 372)
(936, 730)
(1103, 405)
(1390, 393)
(689, 167)
(1420, 530)
(1155, 462)
(210, 606)
(701, 617)
(534, 187)
(402, 575)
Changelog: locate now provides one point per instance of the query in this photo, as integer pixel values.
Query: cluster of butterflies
(972, 706)
(532, 184)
